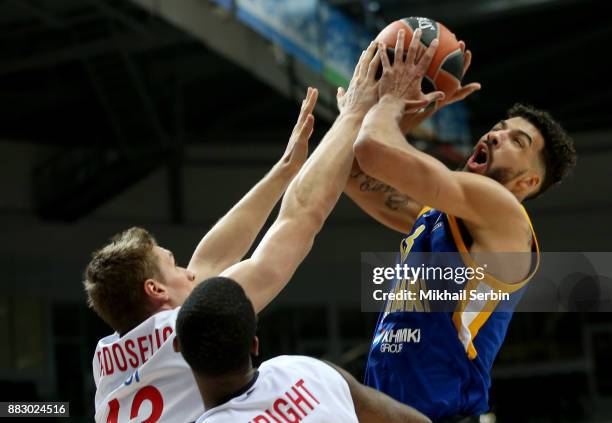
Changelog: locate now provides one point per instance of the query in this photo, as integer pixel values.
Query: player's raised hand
(403, 78)
(297, 148)
(362, 92)
(411, 121)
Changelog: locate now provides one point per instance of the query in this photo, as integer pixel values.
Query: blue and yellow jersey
(440, 362)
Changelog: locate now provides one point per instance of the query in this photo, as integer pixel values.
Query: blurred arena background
(162, 114)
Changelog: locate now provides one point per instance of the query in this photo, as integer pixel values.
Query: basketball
(446, 68)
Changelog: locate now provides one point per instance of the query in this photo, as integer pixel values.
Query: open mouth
(479, 160)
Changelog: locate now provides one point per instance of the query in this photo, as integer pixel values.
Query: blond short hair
(114, 279)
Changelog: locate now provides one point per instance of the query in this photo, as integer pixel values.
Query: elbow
(307, 207)
(313, 219)
(365, 150)
(308, 212)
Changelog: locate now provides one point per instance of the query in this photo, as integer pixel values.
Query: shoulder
(290, 362)
(108, 340)
(509, 236)
(163, 320)
(166, 315)
(300, 365)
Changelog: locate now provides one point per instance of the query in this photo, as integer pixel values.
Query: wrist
(392, 102)
(351, 115)
(285, 168)
(391, 107)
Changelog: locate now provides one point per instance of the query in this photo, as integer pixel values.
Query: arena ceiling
(538, 51)
(93, 74)
(71, 69)
(74, 71)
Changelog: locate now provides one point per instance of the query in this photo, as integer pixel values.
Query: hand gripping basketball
(403, 78)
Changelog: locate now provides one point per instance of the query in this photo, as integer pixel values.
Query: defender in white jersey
(216, 335)
(135, 286)
(289, 388)
(140, 377)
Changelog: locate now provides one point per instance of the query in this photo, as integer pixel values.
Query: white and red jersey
(289, 389)
(140, 378)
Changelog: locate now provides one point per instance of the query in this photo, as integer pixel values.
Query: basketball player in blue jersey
(444, 372)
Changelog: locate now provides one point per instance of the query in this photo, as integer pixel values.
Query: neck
(163, 307)
(519, 196)
(217, 390)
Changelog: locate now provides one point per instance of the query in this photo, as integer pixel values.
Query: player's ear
(255, 347)
(175, 345)
(528, 183)
(155, 290)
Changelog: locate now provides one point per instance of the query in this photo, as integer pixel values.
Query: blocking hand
(297, 148)
(362, 92)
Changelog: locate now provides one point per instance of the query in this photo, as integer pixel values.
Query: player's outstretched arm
(311, 196)
(232, 236)
(383, 153)
(372, 406)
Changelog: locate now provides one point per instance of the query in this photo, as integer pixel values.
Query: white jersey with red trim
(289, 389)
(140, 378)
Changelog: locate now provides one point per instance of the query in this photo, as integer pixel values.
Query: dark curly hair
(559, 153)
(215, 328)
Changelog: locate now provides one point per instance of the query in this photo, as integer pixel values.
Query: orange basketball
(446, 69)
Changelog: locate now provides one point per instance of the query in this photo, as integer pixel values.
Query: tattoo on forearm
(393, 198)
(396, 200)
(367, 183)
